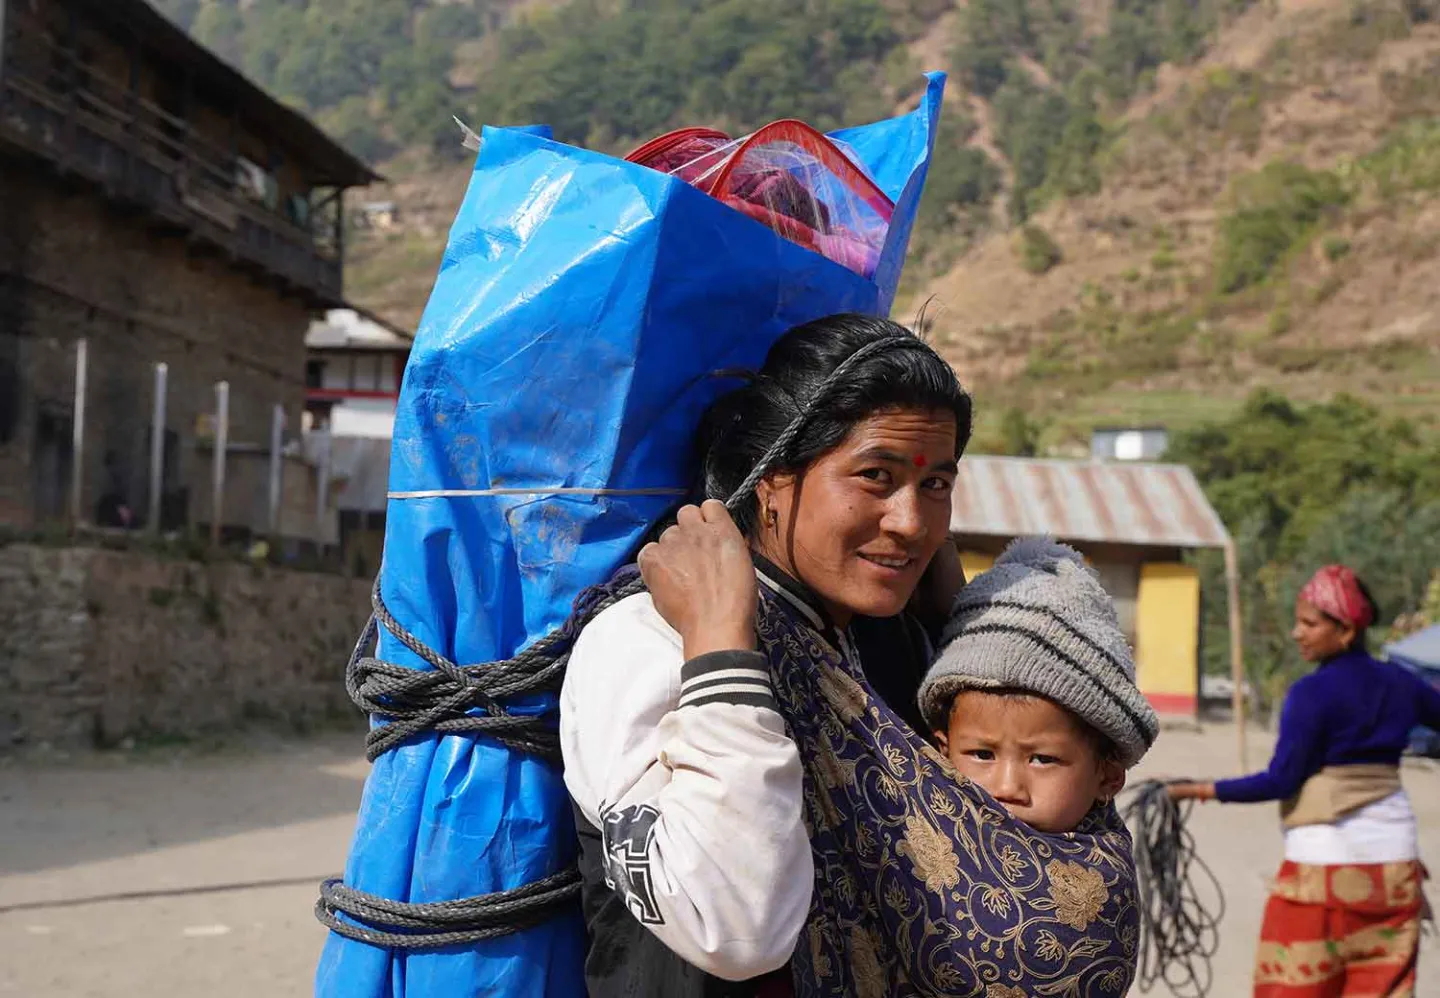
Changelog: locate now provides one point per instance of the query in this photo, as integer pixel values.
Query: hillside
(1267, 217)
(1140, 210)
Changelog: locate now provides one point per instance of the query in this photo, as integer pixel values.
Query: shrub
(1038, 252)
(1335, 247)
(1273, 211)
(1020, 433)
(1408, 160)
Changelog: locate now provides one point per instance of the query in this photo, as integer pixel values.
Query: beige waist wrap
(1336, 791)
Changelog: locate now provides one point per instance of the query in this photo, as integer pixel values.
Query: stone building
(157, 205)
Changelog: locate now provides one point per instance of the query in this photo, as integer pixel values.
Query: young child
(1033, 696)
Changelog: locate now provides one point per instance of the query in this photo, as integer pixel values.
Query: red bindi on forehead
(919, 460)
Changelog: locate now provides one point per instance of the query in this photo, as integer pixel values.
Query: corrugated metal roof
(344, 328)
(1161, 505)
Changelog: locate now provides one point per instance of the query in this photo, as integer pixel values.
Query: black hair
(740, 427)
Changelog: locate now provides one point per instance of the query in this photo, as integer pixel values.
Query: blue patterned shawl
(924, 885)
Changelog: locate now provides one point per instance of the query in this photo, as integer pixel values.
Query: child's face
(1030, 755)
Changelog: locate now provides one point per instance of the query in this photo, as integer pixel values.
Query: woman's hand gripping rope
(702, 580)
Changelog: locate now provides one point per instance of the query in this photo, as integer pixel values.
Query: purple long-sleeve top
(1352, 710)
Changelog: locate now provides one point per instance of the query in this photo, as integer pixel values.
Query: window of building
(336, 373)
(367, 372)
(389, 379)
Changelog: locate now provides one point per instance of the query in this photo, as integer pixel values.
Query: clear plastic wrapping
(804, 186)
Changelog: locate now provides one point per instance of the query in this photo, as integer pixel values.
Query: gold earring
(771, 517)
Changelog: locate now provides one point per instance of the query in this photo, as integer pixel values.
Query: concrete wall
(1167, 654)
(99, 645)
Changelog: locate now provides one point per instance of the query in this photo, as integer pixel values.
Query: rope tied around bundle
(450, 698)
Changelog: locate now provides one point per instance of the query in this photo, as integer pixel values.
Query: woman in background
(1344, 914)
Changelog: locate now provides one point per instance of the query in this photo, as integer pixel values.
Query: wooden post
(277, 435)
(77, 440)
(157, 449)
(322, 488)
(222, 445)
(1237, 649)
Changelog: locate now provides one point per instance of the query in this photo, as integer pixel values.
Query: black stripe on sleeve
(735, 677)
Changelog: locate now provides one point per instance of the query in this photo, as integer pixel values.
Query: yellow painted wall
(1167, 626)
(974, 563)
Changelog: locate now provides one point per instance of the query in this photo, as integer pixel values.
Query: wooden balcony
(143, 158)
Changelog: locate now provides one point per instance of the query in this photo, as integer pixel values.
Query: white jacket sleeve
(686, 769)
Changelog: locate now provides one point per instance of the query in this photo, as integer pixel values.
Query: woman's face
(1319, 637)
(861, 523)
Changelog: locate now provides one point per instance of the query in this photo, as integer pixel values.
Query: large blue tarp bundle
(545, 422)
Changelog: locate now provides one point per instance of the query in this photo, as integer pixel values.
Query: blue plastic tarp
(1420, 653)
(545, 421)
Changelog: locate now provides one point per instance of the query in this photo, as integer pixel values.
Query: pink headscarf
(1335, 592)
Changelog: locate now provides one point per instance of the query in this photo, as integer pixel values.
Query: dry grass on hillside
(1132, 317)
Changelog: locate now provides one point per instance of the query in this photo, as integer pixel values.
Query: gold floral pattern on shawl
(834, 772)
(844, 693)
(818, 959)
(931, 852)
(923, 885)
(1012, 864)
(1078, 891)
(1002, 991)
(870, 977)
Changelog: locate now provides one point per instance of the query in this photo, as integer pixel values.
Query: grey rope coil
(442, 923)
(452, 699)
(1180, 899)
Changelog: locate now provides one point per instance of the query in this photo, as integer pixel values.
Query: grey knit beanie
(1039, 621)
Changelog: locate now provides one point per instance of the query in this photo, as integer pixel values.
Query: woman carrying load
(745, 799)
(1344, 914)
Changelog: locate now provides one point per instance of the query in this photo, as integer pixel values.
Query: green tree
(1301, 486)
(354, 124)
(1020, 433)
(1272, 211)
(1028, 119)
(219, 27)
(182, 12)
(1037, 251)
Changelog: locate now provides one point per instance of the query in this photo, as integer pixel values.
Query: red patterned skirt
(1341, 932)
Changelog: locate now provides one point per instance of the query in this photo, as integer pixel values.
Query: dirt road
(278, 818)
